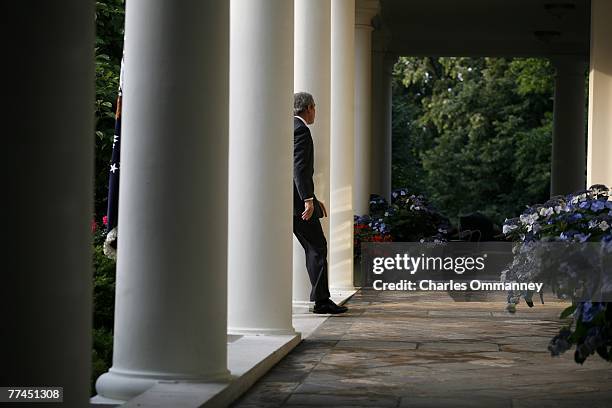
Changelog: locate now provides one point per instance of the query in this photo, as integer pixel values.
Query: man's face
(310, 114)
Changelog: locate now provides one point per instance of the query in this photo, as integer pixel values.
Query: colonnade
(207, 105)
(198, 259)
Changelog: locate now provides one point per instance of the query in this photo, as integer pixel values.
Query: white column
(568, 143)
(46, 276)
(378, 56)
(382, 65)
(170, 316)
(301, 283)
(342, 162)
(261, 167)
(365, 10)
(599, 165)
(312, 74)
(387, 161)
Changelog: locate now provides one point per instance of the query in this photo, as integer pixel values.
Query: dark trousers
(310, 235)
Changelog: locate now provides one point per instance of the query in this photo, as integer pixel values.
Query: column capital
(365, 10)
(381, 37)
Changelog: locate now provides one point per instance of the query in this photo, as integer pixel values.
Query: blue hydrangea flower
(575, 217)
(582, 237)
(546, 211)
(567, 235)
(598, 205)
(588, 310)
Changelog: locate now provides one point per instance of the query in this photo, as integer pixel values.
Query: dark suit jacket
(303, 168)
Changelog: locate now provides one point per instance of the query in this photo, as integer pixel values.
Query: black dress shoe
(329, 307)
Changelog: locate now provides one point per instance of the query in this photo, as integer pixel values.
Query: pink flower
(105, 220)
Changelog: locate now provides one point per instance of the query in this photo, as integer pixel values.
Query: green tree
(475, 132)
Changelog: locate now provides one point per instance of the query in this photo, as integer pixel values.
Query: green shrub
(103, 312)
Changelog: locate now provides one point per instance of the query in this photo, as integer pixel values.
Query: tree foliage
(473, 134)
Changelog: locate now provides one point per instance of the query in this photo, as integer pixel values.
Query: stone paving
(428, 351)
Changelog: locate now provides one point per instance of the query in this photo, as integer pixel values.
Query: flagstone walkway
(429, 351)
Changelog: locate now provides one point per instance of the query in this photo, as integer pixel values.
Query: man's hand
(308, 210)
(323, 208)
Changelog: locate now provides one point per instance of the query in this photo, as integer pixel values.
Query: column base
(341, 295)
(123, 385)
(341, 288)
(260, 332)
(302, 306)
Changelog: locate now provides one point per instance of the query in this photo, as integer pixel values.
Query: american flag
(113, 180)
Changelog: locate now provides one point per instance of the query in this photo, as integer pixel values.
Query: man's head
(304, 106)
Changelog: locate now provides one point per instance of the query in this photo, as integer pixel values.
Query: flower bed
(409, 218)
(367, 229)
(578, 223)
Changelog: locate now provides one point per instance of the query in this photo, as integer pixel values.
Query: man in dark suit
(307, 209)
